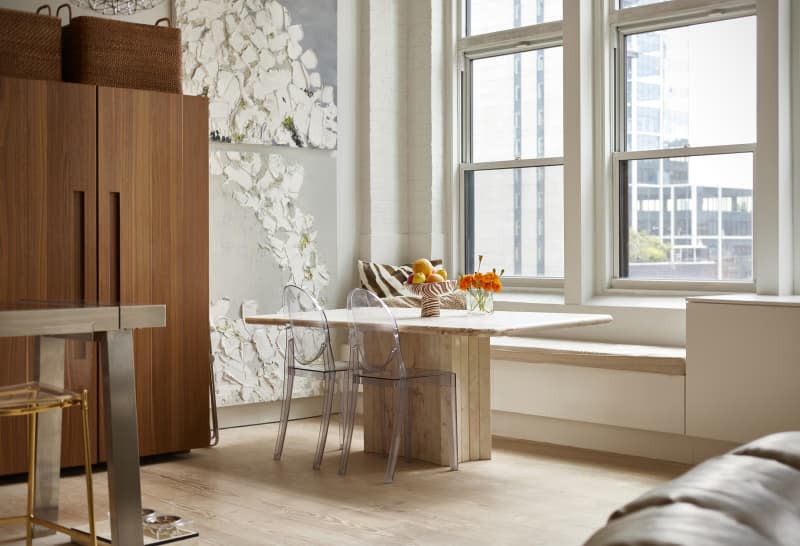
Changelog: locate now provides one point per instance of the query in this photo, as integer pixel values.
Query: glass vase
(480, 301)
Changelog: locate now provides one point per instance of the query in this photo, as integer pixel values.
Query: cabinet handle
(79, 215)
(114, 246)
(79, 269)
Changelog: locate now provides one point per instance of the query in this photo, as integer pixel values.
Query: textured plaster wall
(271, 223)
(146, 17)
(273, 213)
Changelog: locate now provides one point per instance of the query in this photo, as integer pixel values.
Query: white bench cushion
(609, 356)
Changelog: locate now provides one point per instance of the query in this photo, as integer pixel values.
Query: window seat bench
(607, 356)
(631, 386)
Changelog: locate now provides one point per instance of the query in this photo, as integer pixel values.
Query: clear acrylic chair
(309, 353)
(376, 361)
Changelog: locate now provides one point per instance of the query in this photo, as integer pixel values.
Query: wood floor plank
(236, 494)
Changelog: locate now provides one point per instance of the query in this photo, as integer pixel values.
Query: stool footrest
(11, 520)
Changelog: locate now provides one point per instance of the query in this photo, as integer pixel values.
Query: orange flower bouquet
(480, 289)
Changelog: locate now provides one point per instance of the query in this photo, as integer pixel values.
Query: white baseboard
(242, 415)
(640, 443)
(626, 441)
(267, 412)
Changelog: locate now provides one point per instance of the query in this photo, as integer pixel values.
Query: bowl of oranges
(429, 283)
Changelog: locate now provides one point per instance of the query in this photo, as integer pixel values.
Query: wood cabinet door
(153, 248)
(47, 235)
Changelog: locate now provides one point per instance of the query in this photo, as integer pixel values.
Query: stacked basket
(119, 54)
(30, 44)
(90, 50)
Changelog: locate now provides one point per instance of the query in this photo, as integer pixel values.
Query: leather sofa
(747, 497)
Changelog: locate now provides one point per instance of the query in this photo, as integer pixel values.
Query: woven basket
(119, 54)
(30, 45)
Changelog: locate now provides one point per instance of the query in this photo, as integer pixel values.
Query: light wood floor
(237, 495)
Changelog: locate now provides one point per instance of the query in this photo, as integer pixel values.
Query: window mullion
(514, 164)
(677, 13)
(665, 153)
(578, 158)
(533, 36)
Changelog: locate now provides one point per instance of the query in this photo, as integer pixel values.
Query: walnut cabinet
(104, 197)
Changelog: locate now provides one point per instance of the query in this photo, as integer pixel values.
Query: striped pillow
(386, 280)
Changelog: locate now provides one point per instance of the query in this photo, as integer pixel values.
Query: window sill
(517, 300)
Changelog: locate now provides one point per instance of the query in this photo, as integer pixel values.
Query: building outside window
(688, 139)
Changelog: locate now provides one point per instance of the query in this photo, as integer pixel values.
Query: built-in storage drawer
(640, 400)
(743, 366)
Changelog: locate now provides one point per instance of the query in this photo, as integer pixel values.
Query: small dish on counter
(163, 526)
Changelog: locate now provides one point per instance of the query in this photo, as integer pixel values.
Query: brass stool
(31, 399)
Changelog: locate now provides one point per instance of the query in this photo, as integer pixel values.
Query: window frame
(607, 22)
(623, 22)
(481, 46)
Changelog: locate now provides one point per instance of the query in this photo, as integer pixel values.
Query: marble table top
(454, 321)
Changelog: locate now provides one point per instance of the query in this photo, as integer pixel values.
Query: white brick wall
(403, 161)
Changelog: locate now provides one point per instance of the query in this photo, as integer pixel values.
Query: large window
(660, 143)
(513, 143)
(685, 147)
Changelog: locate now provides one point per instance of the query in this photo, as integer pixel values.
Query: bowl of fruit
(429, 283)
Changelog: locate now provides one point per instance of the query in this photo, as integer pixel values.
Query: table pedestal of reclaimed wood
(429, 405)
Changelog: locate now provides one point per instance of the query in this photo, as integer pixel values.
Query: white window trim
(689, 151)
(772, 204)
(676, 13)
(514, 164)
(512, 40)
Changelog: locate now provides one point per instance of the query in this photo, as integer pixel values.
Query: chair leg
(397, 428)
(349, 422)
(288, 383)
(329, 386)
(384, 413)
(213, 439)
(32, 426)
(344, 392)
(453, 426)
(87, 460)
(407, 426)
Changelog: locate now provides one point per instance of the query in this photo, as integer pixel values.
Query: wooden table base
(468, 357)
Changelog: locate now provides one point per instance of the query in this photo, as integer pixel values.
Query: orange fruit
(434, 277)
(423, 266)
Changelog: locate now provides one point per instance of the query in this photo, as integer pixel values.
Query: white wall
(403, 162)
(351, 95)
